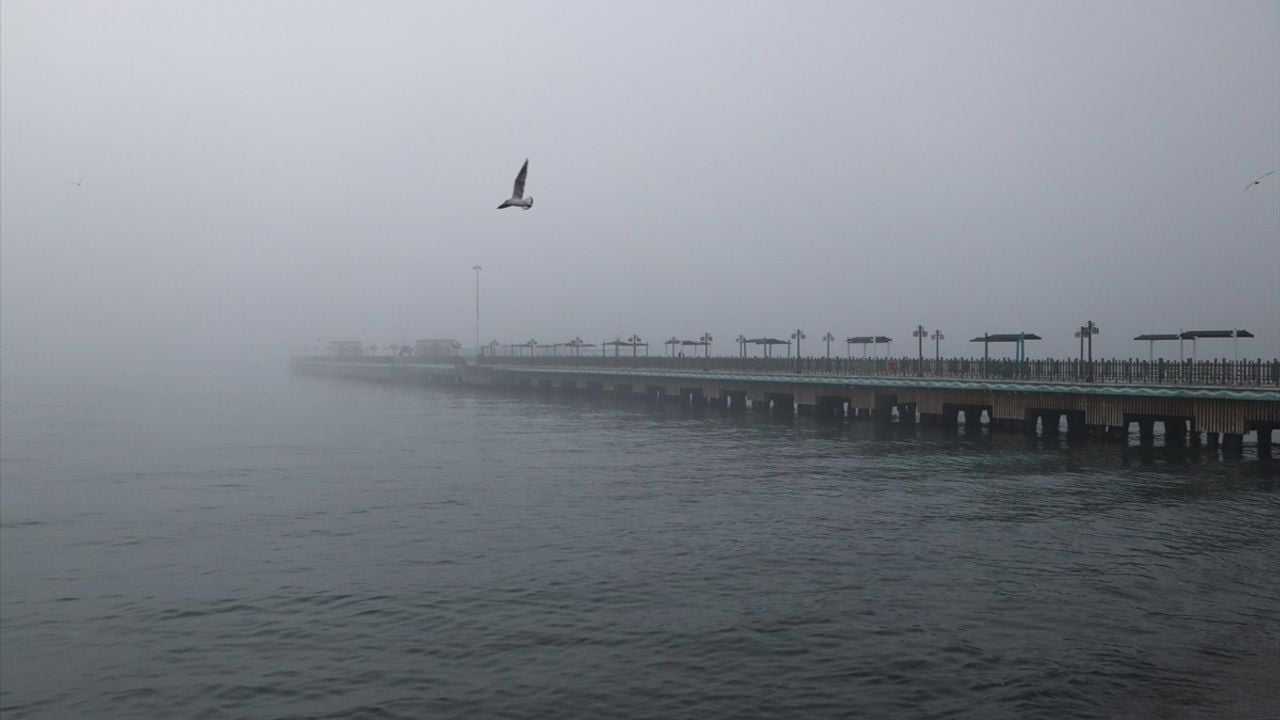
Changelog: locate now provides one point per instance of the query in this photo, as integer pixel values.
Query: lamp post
(798, 335)
(937, 337)
(742, 345)
(828, 338)
(986, 352)
(1080, 333)
(1093, 330)
(673, 342)
(1086, 332)
(635, 344)
(706, 338)
(920, 334)
(477, 268)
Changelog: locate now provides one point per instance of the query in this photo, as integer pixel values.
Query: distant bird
(1258, 181)
(517, 194)
(74, 182)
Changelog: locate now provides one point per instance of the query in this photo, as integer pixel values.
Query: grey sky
(261, 174)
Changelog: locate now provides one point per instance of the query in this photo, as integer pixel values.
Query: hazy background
(257, 176)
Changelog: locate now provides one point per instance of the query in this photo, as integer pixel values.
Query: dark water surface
(293, 547)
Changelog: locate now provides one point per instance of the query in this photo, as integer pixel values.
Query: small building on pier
(438, 349)
(346, 348)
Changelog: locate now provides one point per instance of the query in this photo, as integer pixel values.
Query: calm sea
(289, 547)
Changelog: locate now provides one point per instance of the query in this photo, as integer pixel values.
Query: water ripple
(342, 550)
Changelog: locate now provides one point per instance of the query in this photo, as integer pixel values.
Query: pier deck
(1221, 412)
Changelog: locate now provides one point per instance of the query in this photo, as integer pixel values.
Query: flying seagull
(74, 182)
(1258, 181)
(517, 194)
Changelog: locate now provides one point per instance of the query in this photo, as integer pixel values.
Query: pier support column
(830, 408)
(907, 413)
(1264, 441)
(1146, 430)
(736, 401)
(1211, 440)
(692, 397)
(883, 410)
(1232, 443)
(781, 404)
(1075, 423)
(1029, 420)
(1175, 431)
(972, 419)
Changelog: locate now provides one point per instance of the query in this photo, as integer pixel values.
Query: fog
(257, 177)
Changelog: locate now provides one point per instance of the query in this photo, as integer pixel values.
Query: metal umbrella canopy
(872, 340)
(1153, 338)
(1194, 335)
(1019, 338)
(768, 343)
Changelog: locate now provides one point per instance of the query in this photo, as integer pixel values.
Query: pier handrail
(1221, 373)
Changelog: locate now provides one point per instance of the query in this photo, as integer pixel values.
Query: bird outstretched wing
(518, 192)
(1258, 180)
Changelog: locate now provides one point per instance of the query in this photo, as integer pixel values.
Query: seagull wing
(1260, 177)
(518, 192)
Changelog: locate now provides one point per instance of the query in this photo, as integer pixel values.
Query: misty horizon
(254, 177)
(199, 519)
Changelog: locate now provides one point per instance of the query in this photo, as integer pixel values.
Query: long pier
(1009, 399)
